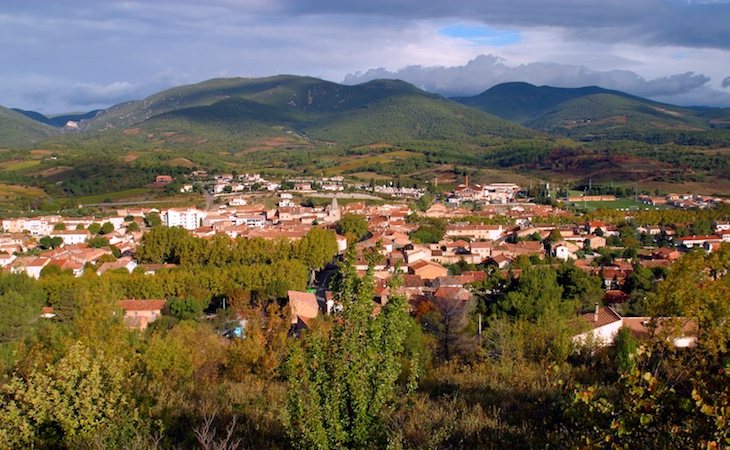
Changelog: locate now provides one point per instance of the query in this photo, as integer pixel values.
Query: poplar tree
(343, 384)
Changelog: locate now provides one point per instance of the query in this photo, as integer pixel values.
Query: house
(71, 237)
(163, 180)
(604, 324)
(6, 259)
(341, 243)
(447, 281)
(501, 260)
(427, 270)
(565, 250)
(697, 241)
(475, 231)
(30, 265)
(436, 210)
(303, 307)
(452, 293)
(125, 262)
(412, 285)
(665, 253)
(74, 266)
(481, 249)
(681, 332)
(614, 296)
(417, 254)
(140, 313)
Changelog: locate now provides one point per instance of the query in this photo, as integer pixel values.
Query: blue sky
(481, 34)
(78, 55)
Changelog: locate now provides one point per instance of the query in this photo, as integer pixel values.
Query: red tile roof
(603, 317)
(142, 305)
(303, 305)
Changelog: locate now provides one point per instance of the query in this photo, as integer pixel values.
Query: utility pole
(480, 324)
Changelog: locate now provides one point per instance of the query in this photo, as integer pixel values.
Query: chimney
(595, 314)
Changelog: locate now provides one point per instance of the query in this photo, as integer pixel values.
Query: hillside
(381, 110)
(592, 112)
(17, 130)
(58, 120)
(523, 102)
(605, 114)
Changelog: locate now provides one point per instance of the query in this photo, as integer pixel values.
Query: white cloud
(486, 71)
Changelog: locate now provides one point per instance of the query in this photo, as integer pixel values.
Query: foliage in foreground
(343, 381)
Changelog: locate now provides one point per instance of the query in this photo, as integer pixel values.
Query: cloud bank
(485, 71)
(77, 54)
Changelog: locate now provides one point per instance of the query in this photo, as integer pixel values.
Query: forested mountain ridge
(589, 112)
(17, 130)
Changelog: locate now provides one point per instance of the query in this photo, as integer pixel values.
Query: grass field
(20, 165)
(621, 203)
(14, 196)
(10, 191)
(354, 163)
(114, 196)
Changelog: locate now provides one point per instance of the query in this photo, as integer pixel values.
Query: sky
(76, 55)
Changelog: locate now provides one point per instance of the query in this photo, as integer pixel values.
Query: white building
(37, 226)
(188, 218)
(605, 324)
(31, 266)
(500, 192)
(71, 237)
(250, 220)
(565, 250)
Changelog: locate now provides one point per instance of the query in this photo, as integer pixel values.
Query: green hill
(380, 110)
(17, 130)
(606, 114)
(58, 120)
(523, 102)
(592, 112)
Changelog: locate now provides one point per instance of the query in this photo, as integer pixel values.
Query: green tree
(343, 385)
(317, 248)
(98, 242)
(94, 228)
(81, 400)
(580, 286)
(106, 228)
(354, 224)
(424, 202)
(185, 308)
(535, 293)
(132, 227)
(152, 219)
(47, 242)
(20, 302)
(59, 226)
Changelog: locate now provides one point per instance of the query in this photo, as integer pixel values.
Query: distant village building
(30, 265)
(163, 180)
(188, 218)
(140, 313)
(303, 307)
(71, 237)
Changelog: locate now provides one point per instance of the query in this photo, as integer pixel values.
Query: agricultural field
(620, 203)
(127, 194)
(19, 165)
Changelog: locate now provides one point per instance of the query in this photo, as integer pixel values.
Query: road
(208, 200)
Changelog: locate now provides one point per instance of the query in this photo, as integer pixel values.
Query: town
(480, 229)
